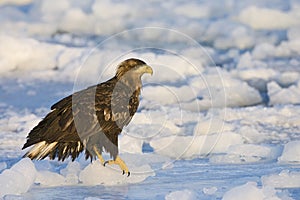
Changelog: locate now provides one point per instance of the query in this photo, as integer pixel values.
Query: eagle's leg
(99, 156)
(121, 163)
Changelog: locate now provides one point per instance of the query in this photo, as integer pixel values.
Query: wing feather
(91, 117)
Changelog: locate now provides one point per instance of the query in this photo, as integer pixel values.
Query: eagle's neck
(132, 81)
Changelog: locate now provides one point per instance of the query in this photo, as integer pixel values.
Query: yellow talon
(121, 163)
(99, 156)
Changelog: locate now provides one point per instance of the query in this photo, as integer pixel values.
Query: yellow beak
(147, 69)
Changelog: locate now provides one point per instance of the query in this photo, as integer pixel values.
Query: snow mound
(263, 18)
(182, 194)
(291, 153)
(96, 174)
(285, 179)
(246, 153)
(250, 191)
(17, 179)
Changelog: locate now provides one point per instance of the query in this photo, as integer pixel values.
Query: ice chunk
(263, 51)
(15, 58)
(291, 152)
(3, 166)
(278, 95)
(257, 74)
(210, 190)
(71, 173)
(92, 198)
(287, 78)
(182, 194)
(96, 174)
(67, 176)
(223, 90)
(210, 126)
(263, 18)
(246, 153)
(74, 16)
(151, 123)
(17, 179)
(166, 95)
(250, 191)
(188, 147)
(15, 2)
(193, 10)
(245, 61)
(285, 179)
(240, 37)
(293, 33)
(48, 178)
(130, 144)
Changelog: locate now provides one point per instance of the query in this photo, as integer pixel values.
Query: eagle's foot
(121, 163)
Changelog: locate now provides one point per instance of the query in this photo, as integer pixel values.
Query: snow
(291, 152)
(219, 118)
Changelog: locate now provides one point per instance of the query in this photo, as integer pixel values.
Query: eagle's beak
(148, 69)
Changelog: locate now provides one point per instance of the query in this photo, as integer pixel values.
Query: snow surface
(219, 118)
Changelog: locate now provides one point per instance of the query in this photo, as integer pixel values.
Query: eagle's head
(133, 68)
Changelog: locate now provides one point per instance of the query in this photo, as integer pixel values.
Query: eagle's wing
(90, 118)
(71, 122)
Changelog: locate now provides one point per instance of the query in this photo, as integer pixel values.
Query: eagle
(90, 120)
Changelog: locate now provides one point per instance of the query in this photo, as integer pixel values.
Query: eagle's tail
(41, 150)
(61, 150)
(49, 139)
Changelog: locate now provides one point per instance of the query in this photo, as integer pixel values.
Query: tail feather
(62, 150)
(41, 150)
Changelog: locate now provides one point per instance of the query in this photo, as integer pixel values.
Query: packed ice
(219, 118)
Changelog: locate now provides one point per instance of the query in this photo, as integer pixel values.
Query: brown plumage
(90, 119)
